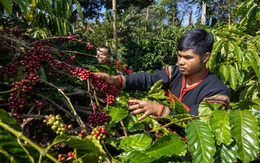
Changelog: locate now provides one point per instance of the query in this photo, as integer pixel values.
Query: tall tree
(115, 28)
(203, 12)
(210, 12)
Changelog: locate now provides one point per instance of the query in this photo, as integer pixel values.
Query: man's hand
(112, 80)
(145, 107)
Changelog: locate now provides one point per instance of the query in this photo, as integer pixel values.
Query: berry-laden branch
(102, 86)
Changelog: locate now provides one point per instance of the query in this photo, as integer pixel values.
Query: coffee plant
(54, 108)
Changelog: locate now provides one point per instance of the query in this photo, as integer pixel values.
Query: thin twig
(55, 104)
(124, 128)
(81, 123)
(77, 117)
(82, 110)
(90, 95)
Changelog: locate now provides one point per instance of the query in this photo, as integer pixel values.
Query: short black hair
(106, 47)
(198, 39)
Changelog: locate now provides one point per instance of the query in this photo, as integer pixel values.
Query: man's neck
(193, 79)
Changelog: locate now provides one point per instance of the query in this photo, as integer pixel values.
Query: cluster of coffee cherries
(123, 68)
(100, 133)
(110, 99)
(71, 37)
(100, 85)
(82, 133)
(38, 105)
(89, 45)
(10, 68)
(32, 61)
(16, 101)
(66, 157)
(80, 72)
(97, 118)
(103, 87)
(58, 126)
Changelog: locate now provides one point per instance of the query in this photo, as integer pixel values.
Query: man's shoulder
(212, 78)
(214, 82)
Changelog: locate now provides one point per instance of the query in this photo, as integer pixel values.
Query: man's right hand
(113, 80)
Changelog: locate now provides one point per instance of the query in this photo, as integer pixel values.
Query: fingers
(135, 104)
(102, 75)
(137, 111)
(138, 106)
(143, 116)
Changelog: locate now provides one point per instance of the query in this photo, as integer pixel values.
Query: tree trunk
(174, 13)
(182, 16)
(190, 18)
(147, 13)
(229, 12)
(203, 12)
(114, 28)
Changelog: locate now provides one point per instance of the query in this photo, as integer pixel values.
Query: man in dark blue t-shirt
(190, 81)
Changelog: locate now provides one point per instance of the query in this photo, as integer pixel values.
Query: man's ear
(206, 57)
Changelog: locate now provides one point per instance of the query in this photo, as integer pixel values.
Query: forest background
(48, 55)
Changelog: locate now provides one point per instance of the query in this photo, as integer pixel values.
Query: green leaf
(42, 74)
(5, 118)
(79, 10)
(135, 157)
(206, 108)
(23, 4)
(157, 96)
(240, 74)
(215, 51)
(223, 69)
(116, 113)
(82, 146)
(238, 54)
(243, 105)
(132, 124)
(221, 127)
(245, 131)
(200, 141)
(167, 145)
(8, 5)
(226, 154)
(87, 157)
(254, 60)
(138, 142)
(251, 88)
(232, 77)
(156, 87)
(180, 109)
(256, 113)
(11, 147)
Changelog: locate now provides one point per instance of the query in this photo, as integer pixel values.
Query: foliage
(248, 17)
(235, 58)
(145, 45)
(214, 134)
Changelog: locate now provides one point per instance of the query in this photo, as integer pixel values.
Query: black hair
(199, 40)
(106, 47)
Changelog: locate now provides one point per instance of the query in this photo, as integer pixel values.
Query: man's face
(189, 62)
(102, 56)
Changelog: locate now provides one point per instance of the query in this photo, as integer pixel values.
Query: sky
(182, 6)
